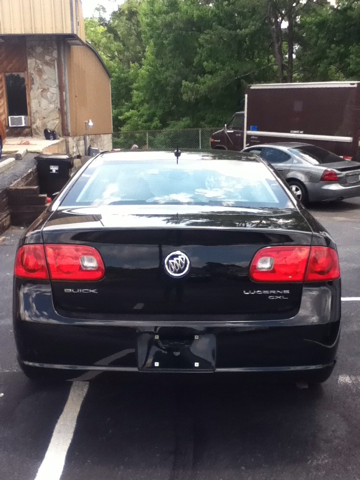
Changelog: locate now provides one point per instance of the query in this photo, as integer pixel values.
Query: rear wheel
(299, 191)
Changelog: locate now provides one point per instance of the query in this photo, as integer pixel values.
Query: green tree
(284, 18)
(199, 57)
(329, 47)
(233, 51)
(99, 37)
(119, 42)
(170, 30)
(186, 63)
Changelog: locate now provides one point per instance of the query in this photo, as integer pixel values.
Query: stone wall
(42, 54)
(76, 146)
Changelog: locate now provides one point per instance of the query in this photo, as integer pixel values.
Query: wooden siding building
(50, 78)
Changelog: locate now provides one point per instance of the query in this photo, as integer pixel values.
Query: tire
(299, 191)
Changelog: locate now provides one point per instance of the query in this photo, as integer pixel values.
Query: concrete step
(6, 163)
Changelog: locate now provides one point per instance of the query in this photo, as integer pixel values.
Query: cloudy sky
(90, 5)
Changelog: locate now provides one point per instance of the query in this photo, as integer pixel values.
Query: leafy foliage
(329, 47)
(186, 63)
(119, 42)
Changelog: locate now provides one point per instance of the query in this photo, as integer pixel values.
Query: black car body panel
(133, 255)
(243, 349)
(137, 313)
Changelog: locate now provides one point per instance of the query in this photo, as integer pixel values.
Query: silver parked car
(313, 174)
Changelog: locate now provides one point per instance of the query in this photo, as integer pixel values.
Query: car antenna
(177, 154)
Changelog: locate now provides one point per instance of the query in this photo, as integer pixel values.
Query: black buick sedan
(149, 262)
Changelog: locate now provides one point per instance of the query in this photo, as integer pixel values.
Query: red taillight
(329, 176)
(30, 263)
(74, 263)
(323, 265)
(280, 264)
(295, 264)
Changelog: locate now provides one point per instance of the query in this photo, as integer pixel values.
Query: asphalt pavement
(167, 428)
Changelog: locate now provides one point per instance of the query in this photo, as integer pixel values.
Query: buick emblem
(177, 264)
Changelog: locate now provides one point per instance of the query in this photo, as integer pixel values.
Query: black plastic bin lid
(56, 158)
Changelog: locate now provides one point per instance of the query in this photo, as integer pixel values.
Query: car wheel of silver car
(299, 191)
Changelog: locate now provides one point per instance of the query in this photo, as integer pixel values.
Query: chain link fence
(194, 138)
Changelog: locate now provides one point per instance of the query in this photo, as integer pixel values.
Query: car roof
(187, 155)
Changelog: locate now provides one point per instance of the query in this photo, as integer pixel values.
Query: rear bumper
(331, 191)
(308, 341)
(238, 350)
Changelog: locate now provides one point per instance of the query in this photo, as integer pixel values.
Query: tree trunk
(274, 23)
(290, 29)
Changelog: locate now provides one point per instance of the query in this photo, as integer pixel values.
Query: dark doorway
(16, 94)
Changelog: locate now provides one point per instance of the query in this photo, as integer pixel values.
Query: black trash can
(53, 172)
(93, 151)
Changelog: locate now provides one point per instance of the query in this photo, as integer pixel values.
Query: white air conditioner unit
(18, 121)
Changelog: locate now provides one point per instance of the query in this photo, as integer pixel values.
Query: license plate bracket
(191, 353)
(353, 178)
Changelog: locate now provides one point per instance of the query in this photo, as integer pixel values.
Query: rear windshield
(222, 183)
(318, 155)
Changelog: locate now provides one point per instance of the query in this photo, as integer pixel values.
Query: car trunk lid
(219, 243)
(348, 172)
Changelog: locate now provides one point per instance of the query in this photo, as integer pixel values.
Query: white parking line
(350, 299)
(54, 461)
(350, 380)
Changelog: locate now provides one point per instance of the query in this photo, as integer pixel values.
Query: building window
(16, 94)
